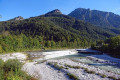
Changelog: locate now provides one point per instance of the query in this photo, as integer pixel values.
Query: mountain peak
(56, 11)
(96, 17)
(17, 18)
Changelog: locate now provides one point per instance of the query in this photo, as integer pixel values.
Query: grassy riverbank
(11, 70)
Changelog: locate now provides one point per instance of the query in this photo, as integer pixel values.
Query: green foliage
(1, 63)
(21, 42)
(12, 65)
(48, 31)
(75, 67)
(11, 70)
(90, 72)
(111, 46)
(72, 76)
(103, 76)
(55, 65)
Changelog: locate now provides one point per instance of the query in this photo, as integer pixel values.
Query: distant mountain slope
(85, 30)
(51, 30)
(99, 18)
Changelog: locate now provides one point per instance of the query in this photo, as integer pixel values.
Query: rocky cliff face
(56, 11)
(99, 18)
(17, 18)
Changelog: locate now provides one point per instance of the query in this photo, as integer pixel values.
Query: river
(102, 61)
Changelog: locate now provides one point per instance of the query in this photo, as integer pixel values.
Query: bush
(1, 63)
(90, 72)
(11, 70)
(58, 67)
(75, 67)
(1, 74)
(72, 76)
(12, 65)
(103, 76)
(112, 77)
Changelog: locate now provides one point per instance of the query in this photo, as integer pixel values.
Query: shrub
(55, 65)
(72, 76)
(1, 74)
(90, 72)
(75, 67)
(68, 66)
(49, 63)
(11, 70)
(103, 76)
(1, 63)
(112, 77)
(14, 78)
(12, 65)
(58, 67)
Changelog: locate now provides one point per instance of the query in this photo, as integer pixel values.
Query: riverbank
(52, 68)
(43, 71)
(39, 56)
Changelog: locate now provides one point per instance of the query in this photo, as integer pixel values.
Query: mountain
(17, 18)
(52, 29)
(99, 18)
(56, 11)
(55, 23)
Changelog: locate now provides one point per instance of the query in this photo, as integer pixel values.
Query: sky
(31, 8)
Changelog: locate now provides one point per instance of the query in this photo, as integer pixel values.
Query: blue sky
(30, 8)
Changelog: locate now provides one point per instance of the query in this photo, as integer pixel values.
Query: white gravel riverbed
(43, 71)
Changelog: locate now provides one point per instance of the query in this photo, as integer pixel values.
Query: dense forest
(110, 46)
(52, 30)
(21, 42)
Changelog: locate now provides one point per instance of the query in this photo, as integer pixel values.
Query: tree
(47, 44)
(53, 44)
(1, 50)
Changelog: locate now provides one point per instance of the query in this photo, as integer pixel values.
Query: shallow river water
(80, 57)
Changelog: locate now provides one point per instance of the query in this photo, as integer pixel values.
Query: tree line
(110, 46)
(11, 43)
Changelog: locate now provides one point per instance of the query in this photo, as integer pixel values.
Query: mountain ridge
(99, 18)
(57, 19)
(17, 18)
(49, 31)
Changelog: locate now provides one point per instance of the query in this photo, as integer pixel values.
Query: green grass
(103, 76)
(11, 70)
(55, 65)
(75, 67)
(72, 76)
(88, 71)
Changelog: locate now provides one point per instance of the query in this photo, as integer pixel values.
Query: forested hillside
(111, 46)
(52, 30)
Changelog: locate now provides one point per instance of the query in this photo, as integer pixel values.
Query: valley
(69, 66)
(83, 44)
